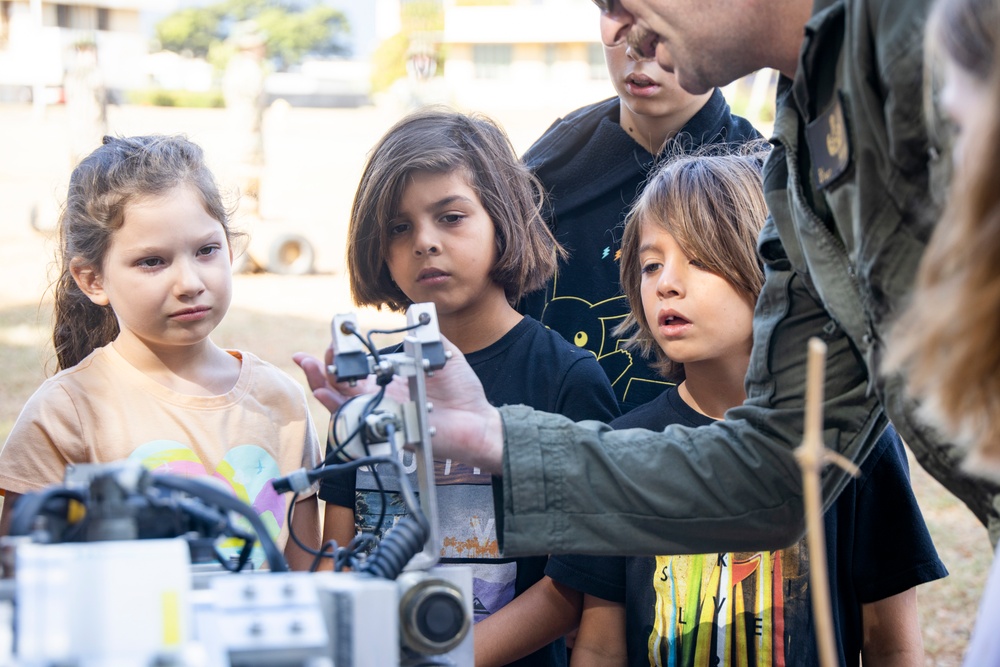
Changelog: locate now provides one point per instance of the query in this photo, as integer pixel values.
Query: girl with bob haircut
(690, 271)
(445, 213)
(436, 140)
(145, 251)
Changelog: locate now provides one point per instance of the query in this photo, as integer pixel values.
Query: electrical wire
(398, 550)
(415, 529)
(30, 506)
(210, 493)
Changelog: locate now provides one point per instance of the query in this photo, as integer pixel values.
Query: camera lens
(433, 617)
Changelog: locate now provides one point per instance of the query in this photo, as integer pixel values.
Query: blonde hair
(712, 204)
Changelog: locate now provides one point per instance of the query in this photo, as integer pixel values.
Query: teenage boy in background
(594, 164)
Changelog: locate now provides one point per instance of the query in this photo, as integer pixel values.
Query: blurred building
(37, 40)
(526, 53)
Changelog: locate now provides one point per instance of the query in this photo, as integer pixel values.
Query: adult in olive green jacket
(848, 186)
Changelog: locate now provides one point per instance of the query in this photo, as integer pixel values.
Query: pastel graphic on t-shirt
(247, 471)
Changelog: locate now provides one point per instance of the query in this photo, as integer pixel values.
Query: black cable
(30, 506)
(371, 332)
(405, 488)
(417, 528)
(212, 494)
(214, 522)
(314, 477)
(331, 456)
(329, 545)
(408, 535)
(350, 556)
(384, 498)
(424, 319)
(291, 530)
(397, 548)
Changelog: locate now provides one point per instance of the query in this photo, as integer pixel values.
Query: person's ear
(89, 280)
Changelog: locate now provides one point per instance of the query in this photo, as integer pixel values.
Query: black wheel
(290, 255)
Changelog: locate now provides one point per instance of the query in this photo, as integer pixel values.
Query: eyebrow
(441, 203)
(211, 237)
(437, 205)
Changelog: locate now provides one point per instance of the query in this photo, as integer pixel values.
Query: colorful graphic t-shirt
(755, 608)
(104, 409)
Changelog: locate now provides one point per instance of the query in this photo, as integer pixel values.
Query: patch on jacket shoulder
(829, 144)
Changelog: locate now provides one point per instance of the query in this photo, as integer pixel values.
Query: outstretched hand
(466, 427)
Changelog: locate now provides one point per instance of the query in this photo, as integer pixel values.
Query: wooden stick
(811, 457)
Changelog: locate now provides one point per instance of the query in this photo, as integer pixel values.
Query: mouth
(193, 313)
(431, 275)
(641, 85)
(640, 80)
(672, 324)
(672, 319)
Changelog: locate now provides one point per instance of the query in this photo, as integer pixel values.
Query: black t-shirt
(592, 171)
(713, 607)
(529, 365)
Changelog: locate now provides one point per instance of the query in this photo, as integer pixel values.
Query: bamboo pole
(812, 456)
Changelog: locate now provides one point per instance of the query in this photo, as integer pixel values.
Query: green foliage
(291, 30)
(290, 36)
(190, 30)
(159, 97)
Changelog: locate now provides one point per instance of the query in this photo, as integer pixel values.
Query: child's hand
(331, 394)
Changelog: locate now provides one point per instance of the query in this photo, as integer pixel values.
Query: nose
(670, 282)
(188, 280)
(425, 241)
